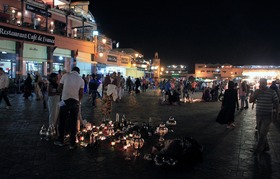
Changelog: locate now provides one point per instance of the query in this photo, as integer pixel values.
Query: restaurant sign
(26, 35)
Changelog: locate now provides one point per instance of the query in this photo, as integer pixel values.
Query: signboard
(26, 35)
(37, 10)
(111, 58)
(124, 60)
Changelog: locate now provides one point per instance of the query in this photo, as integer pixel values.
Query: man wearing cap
(4, 85)
(265, 99)
(72, 86)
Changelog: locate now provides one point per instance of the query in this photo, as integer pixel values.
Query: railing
(29, 23)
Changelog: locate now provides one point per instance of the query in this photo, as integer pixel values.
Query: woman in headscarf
(229, 104)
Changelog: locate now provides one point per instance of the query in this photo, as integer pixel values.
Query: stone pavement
(226, 151)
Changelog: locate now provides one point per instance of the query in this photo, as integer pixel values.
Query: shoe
(72, 147)
(58, 143)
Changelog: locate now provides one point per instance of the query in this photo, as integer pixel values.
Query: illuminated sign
(26, 35)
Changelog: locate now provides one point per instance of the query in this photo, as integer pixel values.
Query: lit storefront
(34, 59)
(61, 60)
(84, 62)
(8, 57)
(254, 75)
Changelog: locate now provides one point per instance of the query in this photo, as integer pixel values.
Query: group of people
(266, 100)
(65, 93)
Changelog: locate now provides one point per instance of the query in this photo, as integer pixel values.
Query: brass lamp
(162, 131)
(138, 143)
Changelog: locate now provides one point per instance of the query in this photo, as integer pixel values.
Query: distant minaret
(156, 63)
(156, 55)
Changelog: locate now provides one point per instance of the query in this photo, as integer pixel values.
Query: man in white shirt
(72, 86)
(4, 85)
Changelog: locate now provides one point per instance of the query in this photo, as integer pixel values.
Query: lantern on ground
(138, 143)
(162, 131)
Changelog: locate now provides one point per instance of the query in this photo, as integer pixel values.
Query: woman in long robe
(229, 104)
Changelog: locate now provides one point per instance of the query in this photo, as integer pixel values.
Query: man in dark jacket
(93, 85)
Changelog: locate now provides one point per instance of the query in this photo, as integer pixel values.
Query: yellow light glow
(256, 74)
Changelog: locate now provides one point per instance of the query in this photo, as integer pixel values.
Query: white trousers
(53, 107)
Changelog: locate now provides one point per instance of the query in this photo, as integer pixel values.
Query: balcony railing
(40, 25)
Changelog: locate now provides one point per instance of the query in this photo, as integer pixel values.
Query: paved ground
(226, 151)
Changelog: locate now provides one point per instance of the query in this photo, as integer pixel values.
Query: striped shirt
(265, 100)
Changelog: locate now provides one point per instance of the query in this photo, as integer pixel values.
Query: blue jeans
(244, 99)
(68, 114)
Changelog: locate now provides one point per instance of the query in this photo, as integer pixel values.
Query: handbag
(221, 118)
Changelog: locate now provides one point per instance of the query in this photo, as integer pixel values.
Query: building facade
(227, 71)
(45, 36)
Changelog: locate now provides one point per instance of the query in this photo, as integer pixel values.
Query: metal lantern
(138, 143)
(162, 131)
(43, 132)
(171, 121)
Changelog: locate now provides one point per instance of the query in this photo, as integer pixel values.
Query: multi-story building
(227, 71)
(174, 71)
(46, 36)
(129, 62)
(51, 35)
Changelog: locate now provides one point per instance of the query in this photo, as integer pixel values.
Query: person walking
(72, 86)
(53, 99)
(229, 104)
(266, 99)
(4, 85)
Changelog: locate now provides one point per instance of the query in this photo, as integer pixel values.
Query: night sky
(239, 32)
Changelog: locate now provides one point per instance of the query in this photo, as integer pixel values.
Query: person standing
(122, 86)
(128, 84)
(37, 86)
(27, 87)
(93, 85)
(137, 85)
(86, 83)
(266, 99)
(4, 85)
(243, 92)
(229, 104)
(72, 86)
(109, 95)
(53, 100)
